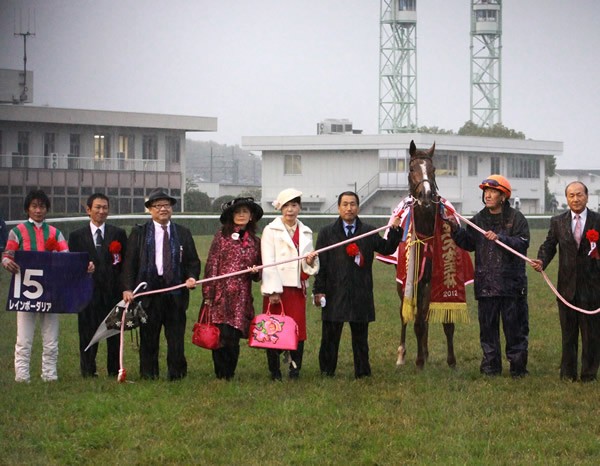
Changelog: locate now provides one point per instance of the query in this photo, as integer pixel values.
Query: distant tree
(216, 205)
(433, 130)
(191, 185)
(496, 131)
(196, 201)
(255, 193)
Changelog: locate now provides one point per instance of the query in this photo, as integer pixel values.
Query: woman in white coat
(284, 285)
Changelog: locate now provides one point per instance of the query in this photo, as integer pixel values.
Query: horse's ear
(413, 149)
(431, 150)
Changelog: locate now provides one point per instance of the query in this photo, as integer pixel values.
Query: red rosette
(114, 247)
(51, 245)
(592, 236)
(352, 250)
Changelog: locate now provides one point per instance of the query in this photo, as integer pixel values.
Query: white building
(72, 153)
(562, 177)
(375, 166)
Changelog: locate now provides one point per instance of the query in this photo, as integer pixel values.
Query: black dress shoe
(276, 376)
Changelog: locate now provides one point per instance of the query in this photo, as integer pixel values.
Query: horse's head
(421, 175)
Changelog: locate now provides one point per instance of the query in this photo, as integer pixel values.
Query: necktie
(349, 232)
(577, 232)
(166, 254)
(99, 240)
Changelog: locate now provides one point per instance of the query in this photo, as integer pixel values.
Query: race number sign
(54, 282)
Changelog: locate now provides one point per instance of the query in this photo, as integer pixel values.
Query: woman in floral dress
(235, 247)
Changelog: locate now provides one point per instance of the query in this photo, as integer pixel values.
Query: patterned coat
(232, 297)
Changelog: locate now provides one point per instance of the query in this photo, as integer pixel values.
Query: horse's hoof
(420, 364)
(451, 362)
(401, 356)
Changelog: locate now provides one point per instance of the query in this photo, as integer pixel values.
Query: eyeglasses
(161, 206)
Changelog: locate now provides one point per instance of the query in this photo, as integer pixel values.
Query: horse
(423, 189)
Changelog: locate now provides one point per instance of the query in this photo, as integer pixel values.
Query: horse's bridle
(432, 183)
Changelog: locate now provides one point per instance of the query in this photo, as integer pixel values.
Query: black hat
(159, 193)
(229, 207)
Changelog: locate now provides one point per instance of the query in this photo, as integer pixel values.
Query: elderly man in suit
(105, 245)
(578, 279)
(162, 254)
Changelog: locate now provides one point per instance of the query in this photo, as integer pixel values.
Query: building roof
(69, 116)
(401, 140)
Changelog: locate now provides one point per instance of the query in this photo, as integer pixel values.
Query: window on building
(392, 165)
(173, 149)
(74, 151)
(50, 155)
(446, 164)
(407, 5)
(126, 146)
(472, 165)
(495, 165)
(149, 147)
(292, 164)
(23, 143)
(523, 167)
(101, 146)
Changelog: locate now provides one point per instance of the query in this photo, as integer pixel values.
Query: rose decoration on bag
(51, 245)
(115, 249)
(354, 251)
(592, 236)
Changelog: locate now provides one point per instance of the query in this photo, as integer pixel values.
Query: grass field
(398, 416)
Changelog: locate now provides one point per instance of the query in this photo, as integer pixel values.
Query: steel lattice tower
(486, 47)
(398, 66)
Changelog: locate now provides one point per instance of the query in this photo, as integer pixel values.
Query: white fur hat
(286, 196)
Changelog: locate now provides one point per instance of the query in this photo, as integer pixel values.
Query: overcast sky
(277, 67)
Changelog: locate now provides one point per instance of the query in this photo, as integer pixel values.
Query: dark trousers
(571, 323)
(163, 310)
(88, 322)
(225, 359)
(274, 361)
(330, 343)
(514, 313)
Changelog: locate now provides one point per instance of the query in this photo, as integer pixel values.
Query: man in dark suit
(345, 281)
(100, 240)
(162, 254)
(578, 282)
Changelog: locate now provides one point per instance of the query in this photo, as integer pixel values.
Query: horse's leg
(402, 348)
(421, 324)
(449, 331)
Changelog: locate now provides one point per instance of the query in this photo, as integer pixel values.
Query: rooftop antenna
(24, 35)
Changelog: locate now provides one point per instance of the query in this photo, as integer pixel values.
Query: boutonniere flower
(51, 245)
(115, 249)
(592, 236)
(354, 251)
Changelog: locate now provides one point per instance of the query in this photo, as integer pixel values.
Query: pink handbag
(273, 331)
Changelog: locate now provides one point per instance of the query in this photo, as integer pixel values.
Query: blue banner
(54, 282)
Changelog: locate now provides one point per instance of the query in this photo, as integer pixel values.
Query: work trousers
(514, 313)
(571, 323)
(163, 310)
(330, 343)
(25, 333)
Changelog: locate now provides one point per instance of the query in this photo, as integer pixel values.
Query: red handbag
(273, 331)
(206, 334)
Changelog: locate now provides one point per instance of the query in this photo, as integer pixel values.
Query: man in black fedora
(163, 254)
